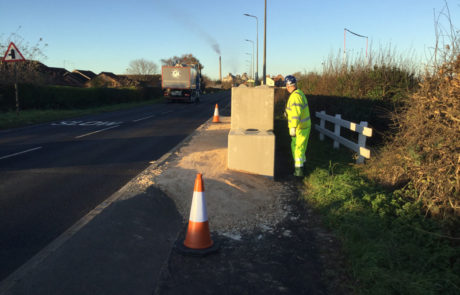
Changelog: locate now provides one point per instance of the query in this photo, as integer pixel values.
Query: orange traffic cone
(216, 115)
(198, 238)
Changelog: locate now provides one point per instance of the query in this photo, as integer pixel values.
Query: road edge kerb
(11, 280)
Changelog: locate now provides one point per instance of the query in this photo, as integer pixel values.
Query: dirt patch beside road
(236, 201)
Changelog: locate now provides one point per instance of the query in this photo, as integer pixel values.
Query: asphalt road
(53, 174)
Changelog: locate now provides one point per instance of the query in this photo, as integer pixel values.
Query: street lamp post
(265, 45)
(252, 55)
(257, 41)
(251, 64)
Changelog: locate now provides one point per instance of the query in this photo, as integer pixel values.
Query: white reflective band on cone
(198, 211)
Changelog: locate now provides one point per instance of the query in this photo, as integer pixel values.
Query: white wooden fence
(361, 128)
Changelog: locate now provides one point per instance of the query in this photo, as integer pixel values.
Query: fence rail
(361, 128)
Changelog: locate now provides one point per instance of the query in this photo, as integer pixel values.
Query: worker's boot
(298, 172)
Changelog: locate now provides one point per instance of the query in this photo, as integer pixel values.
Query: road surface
(53, 174)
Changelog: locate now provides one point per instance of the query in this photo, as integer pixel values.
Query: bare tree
(184, 59)
(142, 68)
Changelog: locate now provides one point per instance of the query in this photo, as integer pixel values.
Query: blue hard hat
(290, 80)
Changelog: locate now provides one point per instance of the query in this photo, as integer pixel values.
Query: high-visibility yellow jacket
(298, 113)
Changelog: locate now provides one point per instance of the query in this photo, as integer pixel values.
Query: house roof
(87, 74)
(76, 76)
(279, 77)
(57, 71)
(110, 74)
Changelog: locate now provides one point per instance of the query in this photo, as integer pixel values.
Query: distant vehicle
(181, 82)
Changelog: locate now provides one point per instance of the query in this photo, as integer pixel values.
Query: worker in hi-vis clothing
(299, 123)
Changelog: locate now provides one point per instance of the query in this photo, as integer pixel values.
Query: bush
(425, 151)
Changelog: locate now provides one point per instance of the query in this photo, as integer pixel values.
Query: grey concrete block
(253, 108)
(252, 151)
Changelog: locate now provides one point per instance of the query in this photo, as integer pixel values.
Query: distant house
(144, 80)
(269, 81)
(108, 79)
(57, 76)
(56, 72)
(78, 78)
(88, 75)
(32, 71)
(279, 80)
(74, 79)
(228, 79)
(104, 79)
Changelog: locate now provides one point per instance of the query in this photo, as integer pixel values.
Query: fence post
(337, 130)
(361, 143)
(322, 124)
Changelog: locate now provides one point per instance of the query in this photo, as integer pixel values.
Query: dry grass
(426, 150)
(384, 75)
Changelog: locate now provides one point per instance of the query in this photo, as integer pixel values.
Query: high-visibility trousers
(299, 146)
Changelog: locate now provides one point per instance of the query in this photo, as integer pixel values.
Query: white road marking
(97, 131)
(87, 123)
(145, 118)
(20, 153)
(99, 123)
(167, 112)
(66, 123)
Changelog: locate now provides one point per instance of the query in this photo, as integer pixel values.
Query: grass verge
(391, 247)
(28, 117)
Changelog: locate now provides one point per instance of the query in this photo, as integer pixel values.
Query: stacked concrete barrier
(251, 141)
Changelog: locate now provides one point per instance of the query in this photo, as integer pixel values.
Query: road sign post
(13, 54)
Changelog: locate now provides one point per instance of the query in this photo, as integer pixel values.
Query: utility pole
(265, 46)
(252, 42)
(257, 50)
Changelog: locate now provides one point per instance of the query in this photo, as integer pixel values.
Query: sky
(102, 35)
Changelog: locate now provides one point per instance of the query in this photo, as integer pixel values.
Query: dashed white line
(97, 131)
(20, 153)
(145, 118)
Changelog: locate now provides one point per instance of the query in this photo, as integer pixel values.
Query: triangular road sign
(13, 54)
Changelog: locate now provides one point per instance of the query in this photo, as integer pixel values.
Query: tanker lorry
(181, 82)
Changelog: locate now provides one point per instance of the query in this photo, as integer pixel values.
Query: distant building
(108, 79)
(32, 71)
(279, 80)
(144, 80)
(104, 79)
(229, 79)
(269, 81)
(88, 75)
(78, 78)
(74, 79)
(56, 74)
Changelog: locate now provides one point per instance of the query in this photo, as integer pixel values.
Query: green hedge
(63, 97)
